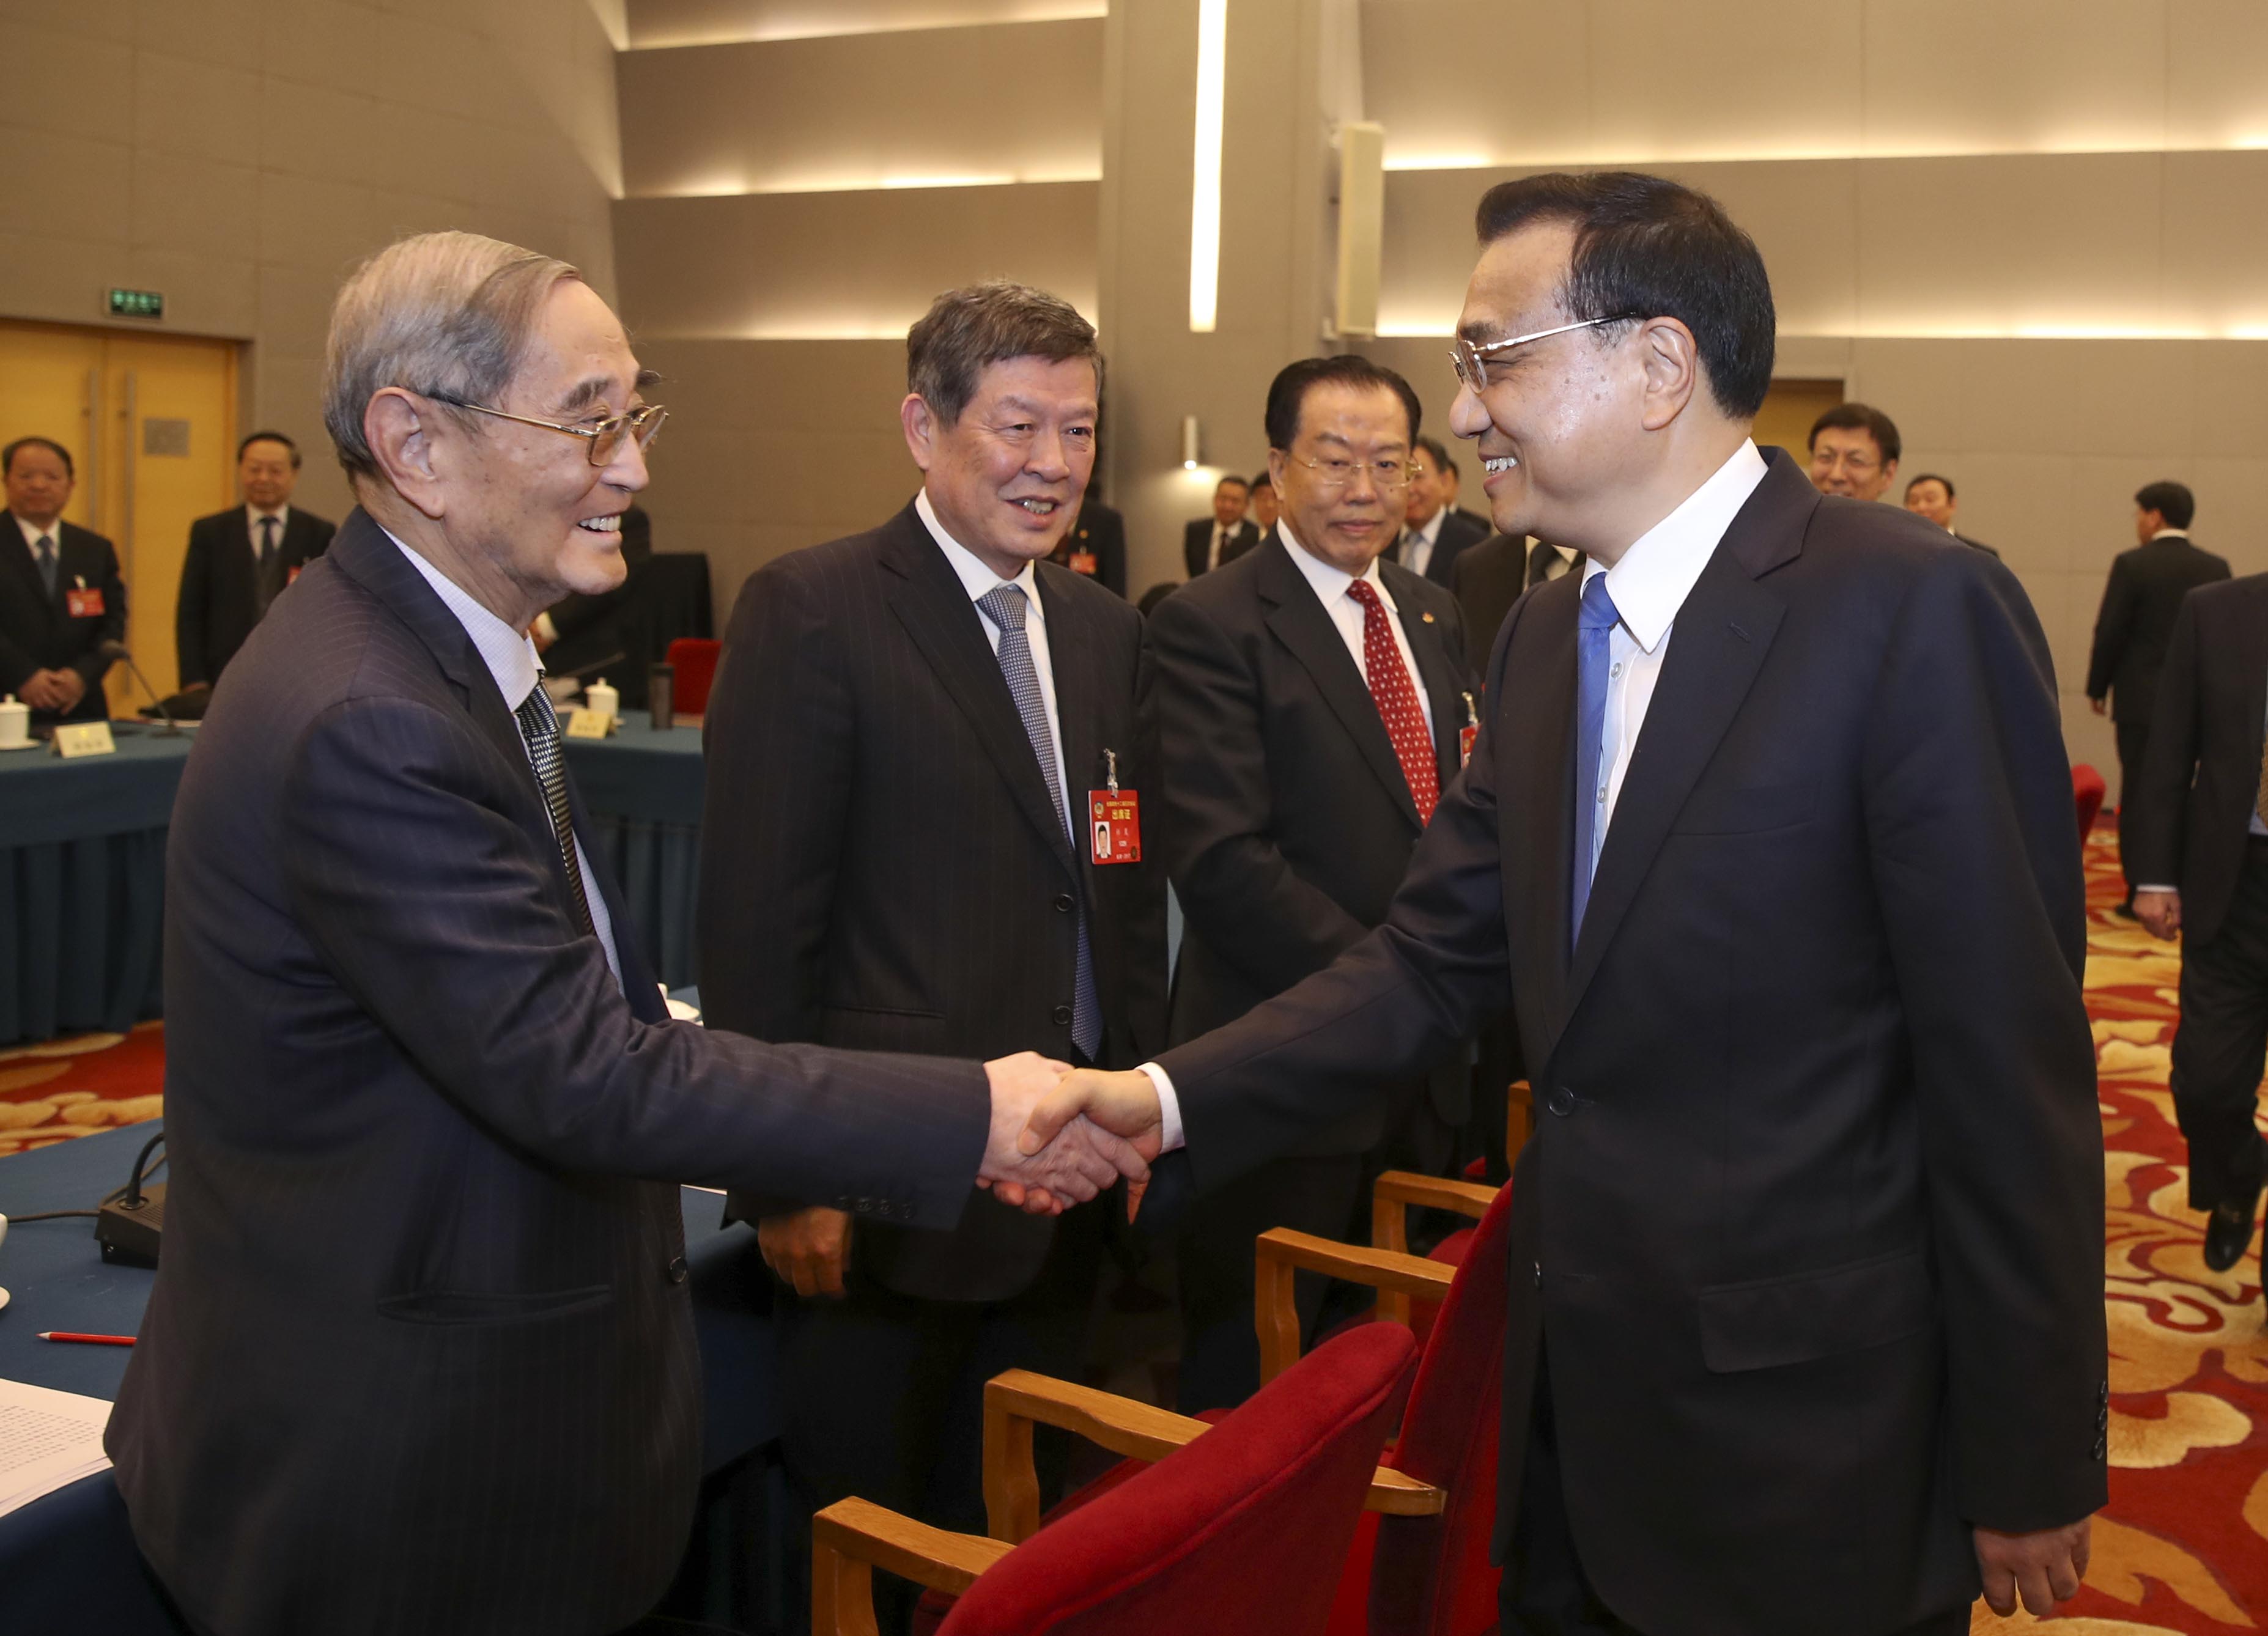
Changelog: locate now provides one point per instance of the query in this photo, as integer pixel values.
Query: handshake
(1060, 1134)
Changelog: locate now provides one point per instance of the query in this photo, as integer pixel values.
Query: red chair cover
(2086, 789)
(1243, 1531)
(694, 658)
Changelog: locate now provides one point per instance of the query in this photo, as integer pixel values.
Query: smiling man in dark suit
(229, 577)
(61, 596)
(1310, 698)
(1768, 839)
(905, 733)
(420, 1354)
(1433, 537)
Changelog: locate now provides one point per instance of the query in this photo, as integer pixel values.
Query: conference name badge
(1084, 562)
(1468, 733)
(1115, 819)
(82, 604)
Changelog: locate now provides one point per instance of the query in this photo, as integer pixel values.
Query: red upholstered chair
(1240, 1528)
(694, 659)
(1418, 1575)
(2086, 791)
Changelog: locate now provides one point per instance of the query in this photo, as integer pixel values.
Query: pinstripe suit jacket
(881, 865)
(420, 1356)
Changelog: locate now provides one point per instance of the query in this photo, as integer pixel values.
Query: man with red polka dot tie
(1310, 697)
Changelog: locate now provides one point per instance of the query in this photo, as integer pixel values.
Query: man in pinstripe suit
(897, 856)
(420, 1356)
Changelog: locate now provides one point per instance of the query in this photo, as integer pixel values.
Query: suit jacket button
(1064, 904)
(1561, 1102)
(1539, 1275)
(675, 1270)
(1062, 1016)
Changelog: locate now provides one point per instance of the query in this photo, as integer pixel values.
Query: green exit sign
(137, 303)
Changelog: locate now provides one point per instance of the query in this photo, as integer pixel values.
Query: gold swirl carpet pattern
(2183, 1545)
(75, 1087)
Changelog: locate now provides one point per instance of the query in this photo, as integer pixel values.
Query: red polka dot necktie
(1392, 691)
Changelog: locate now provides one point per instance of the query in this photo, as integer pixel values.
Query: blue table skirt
(68, 1562)
(82, 934)
(643, 790)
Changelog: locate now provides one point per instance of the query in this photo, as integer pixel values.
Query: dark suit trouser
(1213, 1269)
(883, 1394)
(2133, 743)
(1545, 1591)
(2222, 1044)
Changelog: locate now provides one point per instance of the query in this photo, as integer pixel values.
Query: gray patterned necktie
(1006, 606)
(263, 579)
(47, 556)
(538, 725)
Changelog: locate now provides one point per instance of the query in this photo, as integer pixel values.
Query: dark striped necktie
(538, 725)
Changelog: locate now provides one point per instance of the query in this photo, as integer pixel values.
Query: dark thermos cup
(661, 695)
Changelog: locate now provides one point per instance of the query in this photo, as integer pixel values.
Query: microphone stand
(115, 649)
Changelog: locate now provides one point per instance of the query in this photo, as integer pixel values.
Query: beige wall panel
(82, 87)
(1998, 245)
(2216, 241)
(322, 42)
(801, 266)
(2231, 399)
(717, 22)
(2013, 75)
(1673, 79)
(2232, 509)
(196, 109)
(223, 33)
(1478, 82)
(858, 111)
(2216, 73)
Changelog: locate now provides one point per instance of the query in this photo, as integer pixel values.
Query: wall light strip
(2048, 148)
(1441, 328)
(1204, 191)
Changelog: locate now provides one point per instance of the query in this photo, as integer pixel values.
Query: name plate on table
(83, 738)
(589, 725)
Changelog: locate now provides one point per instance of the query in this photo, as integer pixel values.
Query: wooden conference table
(67, 1561)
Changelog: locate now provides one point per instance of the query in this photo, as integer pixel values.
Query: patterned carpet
(2182, 1546)
(76, 1087)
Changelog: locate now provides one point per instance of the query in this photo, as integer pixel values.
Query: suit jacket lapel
(1070, 656)
(934, 607)
(19, 554)
(1717, 646)
(2256, 665)
(1298, 620)
(1534, 735)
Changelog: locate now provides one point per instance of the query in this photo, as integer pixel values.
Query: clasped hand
(1061, 1134)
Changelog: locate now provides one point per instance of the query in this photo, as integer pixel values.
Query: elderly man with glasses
(1311, 700)
(420, 1354)
(1767, 838)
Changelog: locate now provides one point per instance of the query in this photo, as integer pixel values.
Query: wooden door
(151, 422)
(1790, 407)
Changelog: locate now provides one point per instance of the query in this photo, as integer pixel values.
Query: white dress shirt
(1649, 584)
(1417, 543)
(53, 533)
(511, 659)
(282, 516)
(1331, 585)
(980, 581)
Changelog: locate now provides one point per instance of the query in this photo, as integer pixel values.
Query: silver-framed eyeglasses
(643, 423)
(1470, 361)
(1332, 475)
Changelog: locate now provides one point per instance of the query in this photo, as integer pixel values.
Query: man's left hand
(70, 688)
(2044, 1567)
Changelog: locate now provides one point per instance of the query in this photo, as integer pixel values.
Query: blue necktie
(1006, 606)
(1594, 628)
(47, 556)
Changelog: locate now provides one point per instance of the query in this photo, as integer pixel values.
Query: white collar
(977, 579)
(282, 514)
(1430, 533)
(1655, 575)
(508, 653)
(1328, 579)
(2169, 533)
(32, 534)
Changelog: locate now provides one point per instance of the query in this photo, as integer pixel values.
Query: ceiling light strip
(1204, 191)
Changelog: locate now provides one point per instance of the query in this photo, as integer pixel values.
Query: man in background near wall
(240, 560)
(1931, 496)
(1263, 508)
(1854, 452)
(908, 731)
(2198, 835)
(61, 596)
(1309, 699)
(1433, 536)
(1094, 545)
(2133, 630)
(572, 615)
(1208, 542)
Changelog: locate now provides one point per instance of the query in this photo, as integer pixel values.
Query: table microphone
(115, 649)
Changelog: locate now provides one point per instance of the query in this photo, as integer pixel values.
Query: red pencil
(92, 1340)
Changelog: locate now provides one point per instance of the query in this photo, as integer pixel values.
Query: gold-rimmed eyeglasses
(1333, 475)
(643, 423)
(1470, 361)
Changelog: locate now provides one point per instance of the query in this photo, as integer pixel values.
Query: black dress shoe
(2228, 1230)
(2126, 911)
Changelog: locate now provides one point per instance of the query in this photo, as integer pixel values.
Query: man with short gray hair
(420, 1354)
(908, 740)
